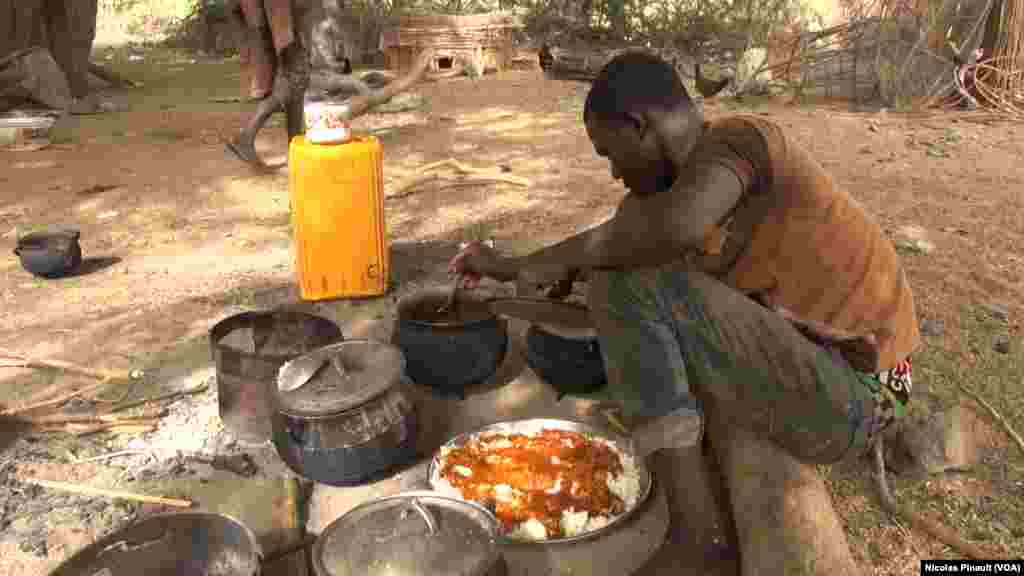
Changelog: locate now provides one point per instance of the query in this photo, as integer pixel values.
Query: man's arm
(648, 230)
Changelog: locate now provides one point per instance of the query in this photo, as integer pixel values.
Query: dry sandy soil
(178, 235)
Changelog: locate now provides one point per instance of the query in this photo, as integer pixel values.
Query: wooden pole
(116, 494)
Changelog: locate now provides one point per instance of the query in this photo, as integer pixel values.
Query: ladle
(450, 303)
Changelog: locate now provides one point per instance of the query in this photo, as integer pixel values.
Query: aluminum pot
(569, 361)
(419, 533)
(454, 350)
(182, 543)
(50, 253)
(340, 415)
(248, 351)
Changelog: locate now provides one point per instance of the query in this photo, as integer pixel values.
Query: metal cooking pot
(182, 543)
(569, 361)
(50, 253)
(340, 416)
(453, 350)
(248, 351)
(418, 533)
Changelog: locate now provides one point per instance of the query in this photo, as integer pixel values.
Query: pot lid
(338, 377)
(410, 534)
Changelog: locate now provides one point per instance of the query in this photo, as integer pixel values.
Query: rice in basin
(517, 507)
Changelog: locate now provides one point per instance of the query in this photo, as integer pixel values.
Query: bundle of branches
(999, 79)
(42, 411)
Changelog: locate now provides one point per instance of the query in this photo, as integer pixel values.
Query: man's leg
(768, 393)
(670, 336)
(290, 83)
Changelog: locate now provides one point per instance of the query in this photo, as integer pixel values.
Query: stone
(1002, 344)
(997, 311)
(952, 439)
(932, 327)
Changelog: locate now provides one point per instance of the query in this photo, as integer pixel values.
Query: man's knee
(623, 291)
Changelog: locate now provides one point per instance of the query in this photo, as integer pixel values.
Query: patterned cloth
(891, 392)
(673, 338)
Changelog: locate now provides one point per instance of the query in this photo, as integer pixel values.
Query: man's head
(636, 97)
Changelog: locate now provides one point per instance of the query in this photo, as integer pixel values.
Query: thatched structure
(481, 40)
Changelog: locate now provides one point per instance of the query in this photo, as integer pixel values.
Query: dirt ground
(177, 235)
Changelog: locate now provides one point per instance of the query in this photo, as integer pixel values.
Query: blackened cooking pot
(50, 253)
(453, 350)
(340, 415)
(569, 361)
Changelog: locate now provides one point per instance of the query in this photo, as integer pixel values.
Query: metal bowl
(176, 544)
(535, 425)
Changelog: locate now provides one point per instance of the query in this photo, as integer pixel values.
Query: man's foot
(245, 151)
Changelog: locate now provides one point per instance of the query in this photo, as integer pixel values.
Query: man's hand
(477, 261)
(557, 275)
(860, 350)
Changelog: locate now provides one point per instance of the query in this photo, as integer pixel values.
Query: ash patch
(191, 426)
(28, 513)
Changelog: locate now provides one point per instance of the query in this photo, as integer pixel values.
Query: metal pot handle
(425, 514)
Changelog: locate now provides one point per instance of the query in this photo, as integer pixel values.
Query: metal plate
(535, 425)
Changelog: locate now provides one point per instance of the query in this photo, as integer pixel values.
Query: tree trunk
(784, 519)
(66, 28)
(21, 25)
(71, 29)
(992, 29)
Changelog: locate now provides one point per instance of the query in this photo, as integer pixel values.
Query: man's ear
(638, 122)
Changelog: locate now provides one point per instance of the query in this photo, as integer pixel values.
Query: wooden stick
(94, 418)
(109, 456)
(934, 529)
(25, 362)
(110, 76)
(113, 428)
(83, 428)
(995, 415)
(116, 494)
(55, 401)
(612, 419)
(420, 177)
(160, 398)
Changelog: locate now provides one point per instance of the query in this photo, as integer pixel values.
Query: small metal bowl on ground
(340, 415)
(416, 533)
(50, 252)
(177, 544)
(25, 133)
